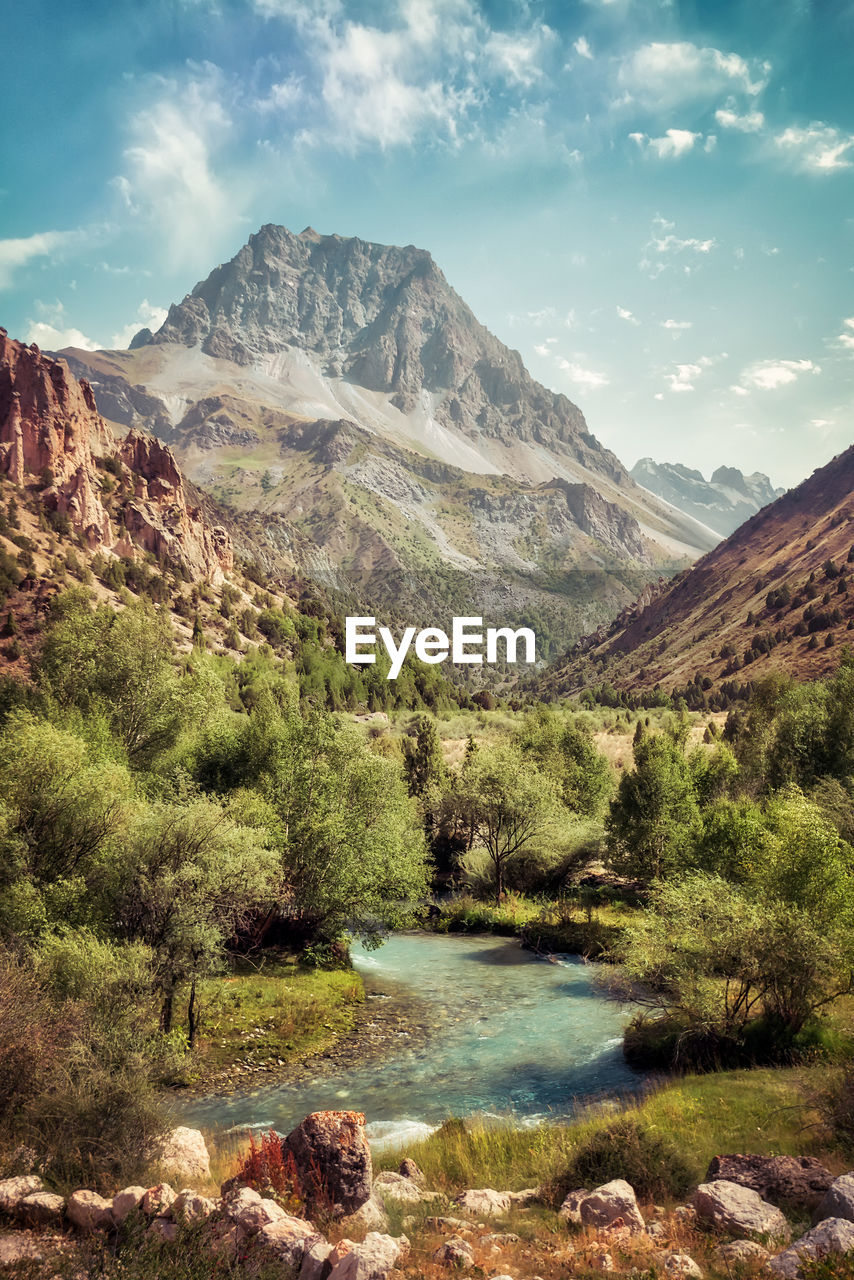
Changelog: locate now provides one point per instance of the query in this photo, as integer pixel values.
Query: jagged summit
(722, 503)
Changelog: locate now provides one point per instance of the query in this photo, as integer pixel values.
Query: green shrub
(651, 1163)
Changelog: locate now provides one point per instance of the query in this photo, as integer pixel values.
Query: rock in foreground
(332, 1161)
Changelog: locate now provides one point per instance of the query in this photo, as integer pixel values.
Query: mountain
(722, 503)
(777, 594)
(345, 399)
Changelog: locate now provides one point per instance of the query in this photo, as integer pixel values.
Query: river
(494, 1031)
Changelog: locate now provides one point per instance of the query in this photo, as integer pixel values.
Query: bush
(651, 1163)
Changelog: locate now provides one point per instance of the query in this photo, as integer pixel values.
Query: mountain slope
(777, 594)
(344, 390)
(722, 503)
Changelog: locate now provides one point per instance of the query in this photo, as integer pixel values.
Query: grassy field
(768, 1112)
(258, 1018)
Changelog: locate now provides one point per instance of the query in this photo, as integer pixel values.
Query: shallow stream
(491, 1030)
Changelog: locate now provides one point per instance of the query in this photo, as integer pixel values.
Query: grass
(269, 1015)
(550, 924)
(767, 1112)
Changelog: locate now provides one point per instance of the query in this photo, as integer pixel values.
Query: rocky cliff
(54, 441)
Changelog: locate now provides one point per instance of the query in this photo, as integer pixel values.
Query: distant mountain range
(370, 433)
(777, 594)
(722, 503)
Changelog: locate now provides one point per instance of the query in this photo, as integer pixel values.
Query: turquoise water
(499, 1032)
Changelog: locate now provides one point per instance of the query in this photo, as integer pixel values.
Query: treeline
(744, 846)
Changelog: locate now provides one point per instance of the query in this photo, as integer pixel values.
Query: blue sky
(651, 201)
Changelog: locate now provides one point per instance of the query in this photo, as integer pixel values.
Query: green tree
(509, 803)
(189, 879)
(568, 755)
(654, 816)
(349, 837)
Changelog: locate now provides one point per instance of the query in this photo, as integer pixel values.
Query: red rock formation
(49, 423)
(159, 518)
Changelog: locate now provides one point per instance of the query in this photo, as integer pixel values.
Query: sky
(651, 200)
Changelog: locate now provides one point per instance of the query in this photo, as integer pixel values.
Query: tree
(423, 763)
(189, 879)
(349, 837)
(655, 813)
(509, 804)
(118, 666)
(567, 754)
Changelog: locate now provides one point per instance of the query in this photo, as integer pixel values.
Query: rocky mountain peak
(722, 503)
(384, 318)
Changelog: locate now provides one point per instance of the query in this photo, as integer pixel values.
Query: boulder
(741, 1251)
(183, 1155)
(163, 1229)
(838, 1201)
(332, 1161)
(682, 1267)
(455, 1252)
(612, 1205)
(371, 1215)
(797, 1182)
(409, 1169)
(17, 1247)
(158, 1200)
(126, 1202)
(602, 1261)
(394, 1186)
(485, 1203)
(447, 1224)
(287, 1238)
(89, 1211)
(834, 1235)
(739, 1211)
(570, 1210)
(250, 1212)
(315, 1261)
(41, 1209)
(14, 1190)
(190, 1206)
(374, 1259)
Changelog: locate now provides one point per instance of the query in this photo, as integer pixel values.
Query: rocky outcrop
(838, 1202)
(739, 1210)
(799, 1182)
(332, 1160)
(51, 433)
(833, 1236)
(160, 519)
(48, 425)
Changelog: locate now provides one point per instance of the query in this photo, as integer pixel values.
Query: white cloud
(518, 56)
(739, 391)
(542, 349)
(664, 246)
(748, 122)
(20, 252)
(51, 338)
(676, 325)
(666, 74)
(674, 144)
(627, 315)
(147, 316)
(818, 148)
(768, 375)
(587, 379)
(846, 340)
(685, 375)
(170, 179)
(582, 48)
